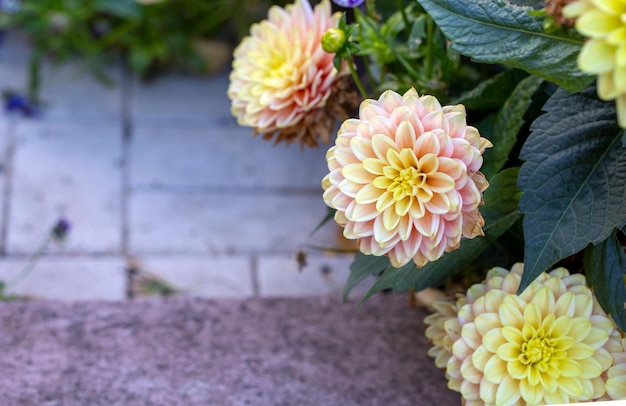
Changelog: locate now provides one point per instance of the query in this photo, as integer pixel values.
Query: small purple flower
(60, 230)
(16, 103)
(348, 3)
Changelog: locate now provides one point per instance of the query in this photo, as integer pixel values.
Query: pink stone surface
(191, 351)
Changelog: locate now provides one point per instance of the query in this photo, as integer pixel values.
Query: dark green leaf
(500, 213)
(573, 180)
(129, 9)
(363, 267)
(507, 124)
(605, 267)
(496, 31)
(491, 93)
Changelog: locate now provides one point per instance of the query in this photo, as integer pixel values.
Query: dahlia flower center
(408, 182)
(537, 351)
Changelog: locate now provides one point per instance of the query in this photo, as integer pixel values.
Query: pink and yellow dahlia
(404, 178)
(552, 344)
(283, 83)
(604, 53)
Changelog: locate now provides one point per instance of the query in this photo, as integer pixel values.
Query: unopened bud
(333, 40)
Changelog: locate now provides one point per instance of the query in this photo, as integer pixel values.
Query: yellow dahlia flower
(604, 54)
(404, 178)
(552, 344)
(282, 82)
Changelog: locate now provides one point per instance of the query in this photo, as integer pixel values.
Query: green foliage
(406, 49)
(506, 125)
(148, 37)
(362, 268)
(605, 266)
(574, 180)
(496, 31)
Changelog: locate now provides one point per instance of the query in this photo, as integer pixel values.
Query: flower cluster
(404, 178)
(283, 83)
(552, 344)
(604, 54)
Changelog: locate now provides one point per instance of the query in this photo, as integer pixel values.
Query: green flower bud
(333, 40)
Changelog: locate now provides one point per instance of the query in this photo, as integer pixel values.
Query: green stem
(407, 25)
(32, 261)
(430, 27)
(368, 72)
(34, 76)
(356, 78)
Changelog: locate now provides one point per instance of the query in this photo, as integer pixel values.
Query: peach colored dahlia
(604, 53)
(282, 82)
(552, 344)
(404, 178)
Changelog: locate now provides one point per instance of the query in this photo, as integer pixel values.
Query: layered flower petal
(283, 83)
(417, 163)
(544, 346)
(604, 53)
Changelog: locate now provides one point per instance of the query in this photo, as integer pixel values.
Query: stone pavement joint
(158, 172)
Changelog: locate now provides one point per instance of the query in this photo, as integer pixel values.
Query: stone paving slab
(281, 275)
(225, 223)
(202, 275)
(68, 278)
(180, 99)
(68, 171)
(305, 351)
(221, 154)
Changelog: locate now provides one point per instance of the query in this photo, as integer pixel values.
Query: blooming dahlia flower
(282, 82)
(604, 54)
(552, 344)
(404, 178)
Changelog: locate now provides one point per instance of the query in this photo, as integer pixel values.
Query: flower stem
(356, 78)
(407, 25)
(29, 265)
(429, 47)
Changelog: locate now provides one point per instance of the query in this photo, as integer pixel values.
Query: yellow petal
(391, 219)
(374, 166)
(570, 386)
(509, 352)
(385, 201)
(532, 315)
(492, 340)
(511, 316)
(496, 370)
(597, 24)
(621, 110)
(616, 387)
(580, 351)
(531, 394)
(357, 174)
(569, 368)
(368, 194)
(597, 56)
(380, 145)
(508, 392)
(617, 37)
(615, 7)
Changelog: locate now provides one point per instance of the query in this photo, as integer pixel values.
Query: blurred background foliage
(149, 36)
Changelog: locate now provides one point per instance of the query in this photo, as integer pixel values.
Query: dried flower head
(404, 178)
(552, 344)
(283, 84)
